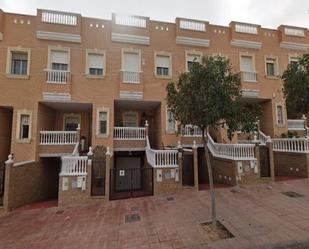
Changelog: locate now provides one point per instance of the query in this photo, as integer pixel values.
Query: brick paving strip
(259, 216)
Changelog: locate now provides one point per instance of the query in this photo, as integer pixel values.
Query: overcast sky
(268, 13)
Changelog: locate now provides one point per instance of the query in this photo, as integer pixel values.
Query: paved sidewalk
(259, 216)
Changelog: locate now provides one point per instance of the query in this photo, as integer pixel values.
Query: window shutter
(60, 57)
(193, 58)
(163, 61)
(246, 64)
(19, 56)
(130, 62)
(24, 119)
(95, 61)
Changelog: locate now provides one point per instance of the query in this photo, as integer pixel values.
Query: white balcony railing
(263, 138)
(59, 18)
(58, 137)
(191, 131)
(300, 145)
(129, 133)
(130, 77)
(231, 151)
(192, 25)
(161, 158)
(296, 124)
(246, 28)
(74, 165)
(134, 21)
(57, 76)
(249, 76)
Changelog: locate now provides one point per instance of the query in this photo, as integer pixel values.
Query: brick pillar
(7, 182)
(195, 165)
(270, 148)
(107, 173)
(257, 156)
(146, 128)
(78, 133)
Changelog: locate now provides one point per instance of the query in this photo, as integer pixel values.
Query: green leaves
(296, 85)
(208, 95)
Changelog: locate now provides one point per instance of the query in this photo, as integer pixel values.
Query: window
(59, 60)
(293, 61)
(19, 63)
(191, 59)
(102, 123)
(24, 126)
(95, 64)
(130, 119)
(170, 121)
(247, 68)
(271, 67)
(130, 62)
(162, 65)
(71, 122)
(280, 117)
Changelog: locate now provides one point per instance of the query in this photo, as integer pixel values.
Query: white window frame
(283, 115)
(192, 53)
(276, 66)
(107, 110)
(11, 50)
(98, 52)
(170, 68)
(166, 123)
(60, 49)
(253, 66)
(18, 126)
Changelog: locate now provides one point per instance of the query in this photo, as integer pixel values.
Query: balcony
(127, 138)
(191, 131)
(249, 76)
(131, 77)
(296, 124)
(57, 76)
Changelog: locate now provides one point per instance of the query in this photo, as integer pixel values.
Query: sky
(268, 13)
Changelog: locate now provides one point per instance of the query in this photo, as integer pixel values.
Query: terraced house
(83, 112)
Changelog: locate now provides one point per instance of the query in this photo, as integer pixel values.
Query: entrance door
(98, 172)
(129, 178)
(264, 161)
(188, 170)
(2, 178)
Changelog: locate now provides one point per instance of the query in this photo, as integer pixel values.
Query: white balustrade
(74, 165)
(231, 151)
(294, 32)
(59, 18)
(300, 145)
(130, 77)
(192, 25)
(161, 158)
(296, 124)
(127, 20)
(57, 76)
(129, 133)
(249, 76)
(58, 137)
(191, 131)
(246, 28)
(263, 138)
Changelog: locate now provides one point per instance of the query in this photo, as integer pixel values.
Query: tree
(209, 96)
(296, 85)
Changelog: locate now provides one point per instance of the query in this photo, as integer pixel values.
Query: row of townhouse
(70, 82)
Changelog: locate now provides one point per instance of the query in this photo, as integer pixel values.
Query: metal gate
(130, 182)
(2, 178)
(264, 161)
(187, 169)
(98, 171)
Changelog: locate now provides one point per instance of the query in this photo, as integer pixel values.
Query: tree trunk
(211, 182)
